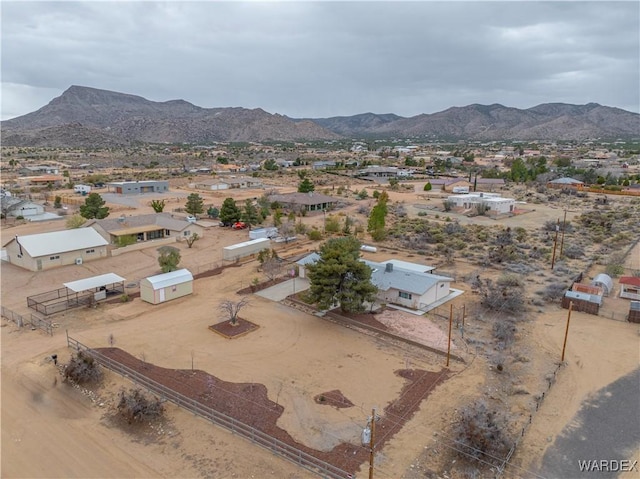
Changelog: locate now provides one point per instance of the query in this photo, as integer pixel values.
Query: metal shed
(605, 282)
(588, 303)
(634, 312)
(246, 248)
(167, 286)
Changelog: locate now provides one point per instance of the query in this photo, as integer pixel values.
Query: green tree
(94, 207)
(195, 204)
(250, 213)
(378, 216)
(428, 186)
(169, 258)
(157, 205)
(340, 277)
(519, 172)
(213, 212)
(229, 212)
(306, 186)
(57, 202)
(270, 165)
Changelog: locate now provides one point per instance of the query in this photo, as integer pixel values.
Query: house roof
(490, 181)
(630, 280)
(171, 278)
(591, 298)
(137, 224)
(566, 181)
(93, 282)
(309, 259)
(448, 181)
(44, 244)
(403, 279)
(311, 198)
(420, 268)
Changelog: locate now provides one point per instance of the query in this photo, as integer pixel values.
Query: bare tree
(231, 309)
(272, 267)
(192, 239)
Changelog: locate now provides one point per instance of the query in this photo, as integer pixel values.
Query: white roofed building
(49, 250)
(167, 286)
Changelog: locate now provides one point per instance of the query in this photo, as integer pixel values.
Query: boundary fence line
(35, 321)
(282, 449)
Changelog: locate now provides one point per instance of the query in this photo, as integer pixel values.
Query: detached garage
(167, 286)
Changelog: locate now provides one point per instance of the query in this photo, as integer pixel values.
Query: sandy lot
(52, 430)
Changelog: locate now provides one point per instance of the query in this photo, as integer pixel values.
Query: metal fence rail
(34, 321)
(297, 456)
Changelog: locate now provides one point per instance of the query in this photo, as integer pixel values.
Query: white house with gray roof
(408, 287)
(143, 228)
(406, 284)
(49, 250)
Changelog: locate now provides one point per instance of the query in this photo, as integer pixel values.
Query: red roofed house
(630, 287)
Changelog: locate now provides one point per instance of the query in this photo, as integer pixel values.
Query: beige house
(48, 250)
(144, 228)
(167, 286)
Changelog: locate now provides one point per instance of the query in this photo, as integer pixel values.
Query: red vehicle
(239, 225)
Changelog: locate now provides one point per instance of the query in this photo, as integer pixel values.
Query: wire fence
(34, 321)
(254, 435)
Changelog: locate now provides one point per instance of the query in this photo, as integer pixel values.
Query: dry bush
(481, 433)
(82, 369)
(134, 405)
(553, 291)
(504, 332)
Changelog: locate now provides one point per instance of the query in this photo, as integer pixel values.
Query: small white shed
(605, 282)
(167, 286)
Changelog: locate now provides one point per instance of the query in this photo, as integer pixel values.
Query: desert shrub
(134, 405)
(506, 299)
(573, 251)
(554, 291)
(481, 433)
(614, 269)
(447, 205)
(504, 333)
(510, 280)
(82, 369)
(314, 235)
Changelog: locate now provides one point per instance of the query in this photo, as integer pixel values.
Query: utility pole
(555, 244)
(566, 332)
(564, 225)
(450, 323)
(372, 442)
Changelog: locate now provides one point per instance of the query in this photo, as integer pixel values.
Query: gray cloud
(319, 59)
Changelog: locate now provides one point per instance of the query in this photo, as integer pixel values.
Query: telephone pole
(555, 244)
(564, 225)
(450, 323)
(372, 442)
(566, 332)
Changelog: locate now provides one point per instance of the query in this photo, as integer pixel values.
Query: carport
(77, 293)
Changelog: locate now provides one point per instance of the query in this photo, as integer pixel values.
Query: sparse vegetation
(135, 406)
(83, 369)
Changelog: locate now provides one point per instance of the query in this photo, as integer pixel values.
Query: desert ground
(50, 429)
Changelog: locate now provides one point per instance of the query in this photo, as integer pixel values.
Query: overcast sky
(320, 59)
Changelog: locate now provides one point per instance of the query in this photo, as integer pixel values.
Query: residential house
(405, 284)
(311, 201)
(448, 184)
(12, 206)
(48, 250)
(143, 228)
(137, 187)
(561, 183)
(495, 204)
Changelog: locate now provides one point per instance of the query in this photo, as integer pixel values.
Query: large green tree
(340, 277)
(229, 212)
(250, 213)
(306, 186)
(94, 207)
(377, 218)
(195, 204)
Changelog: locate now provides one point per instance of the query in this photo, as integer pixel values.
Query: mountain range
(89, 117)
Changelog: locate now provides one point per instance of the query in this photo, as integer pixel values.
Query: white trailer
(244, 249)
(270, 232)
